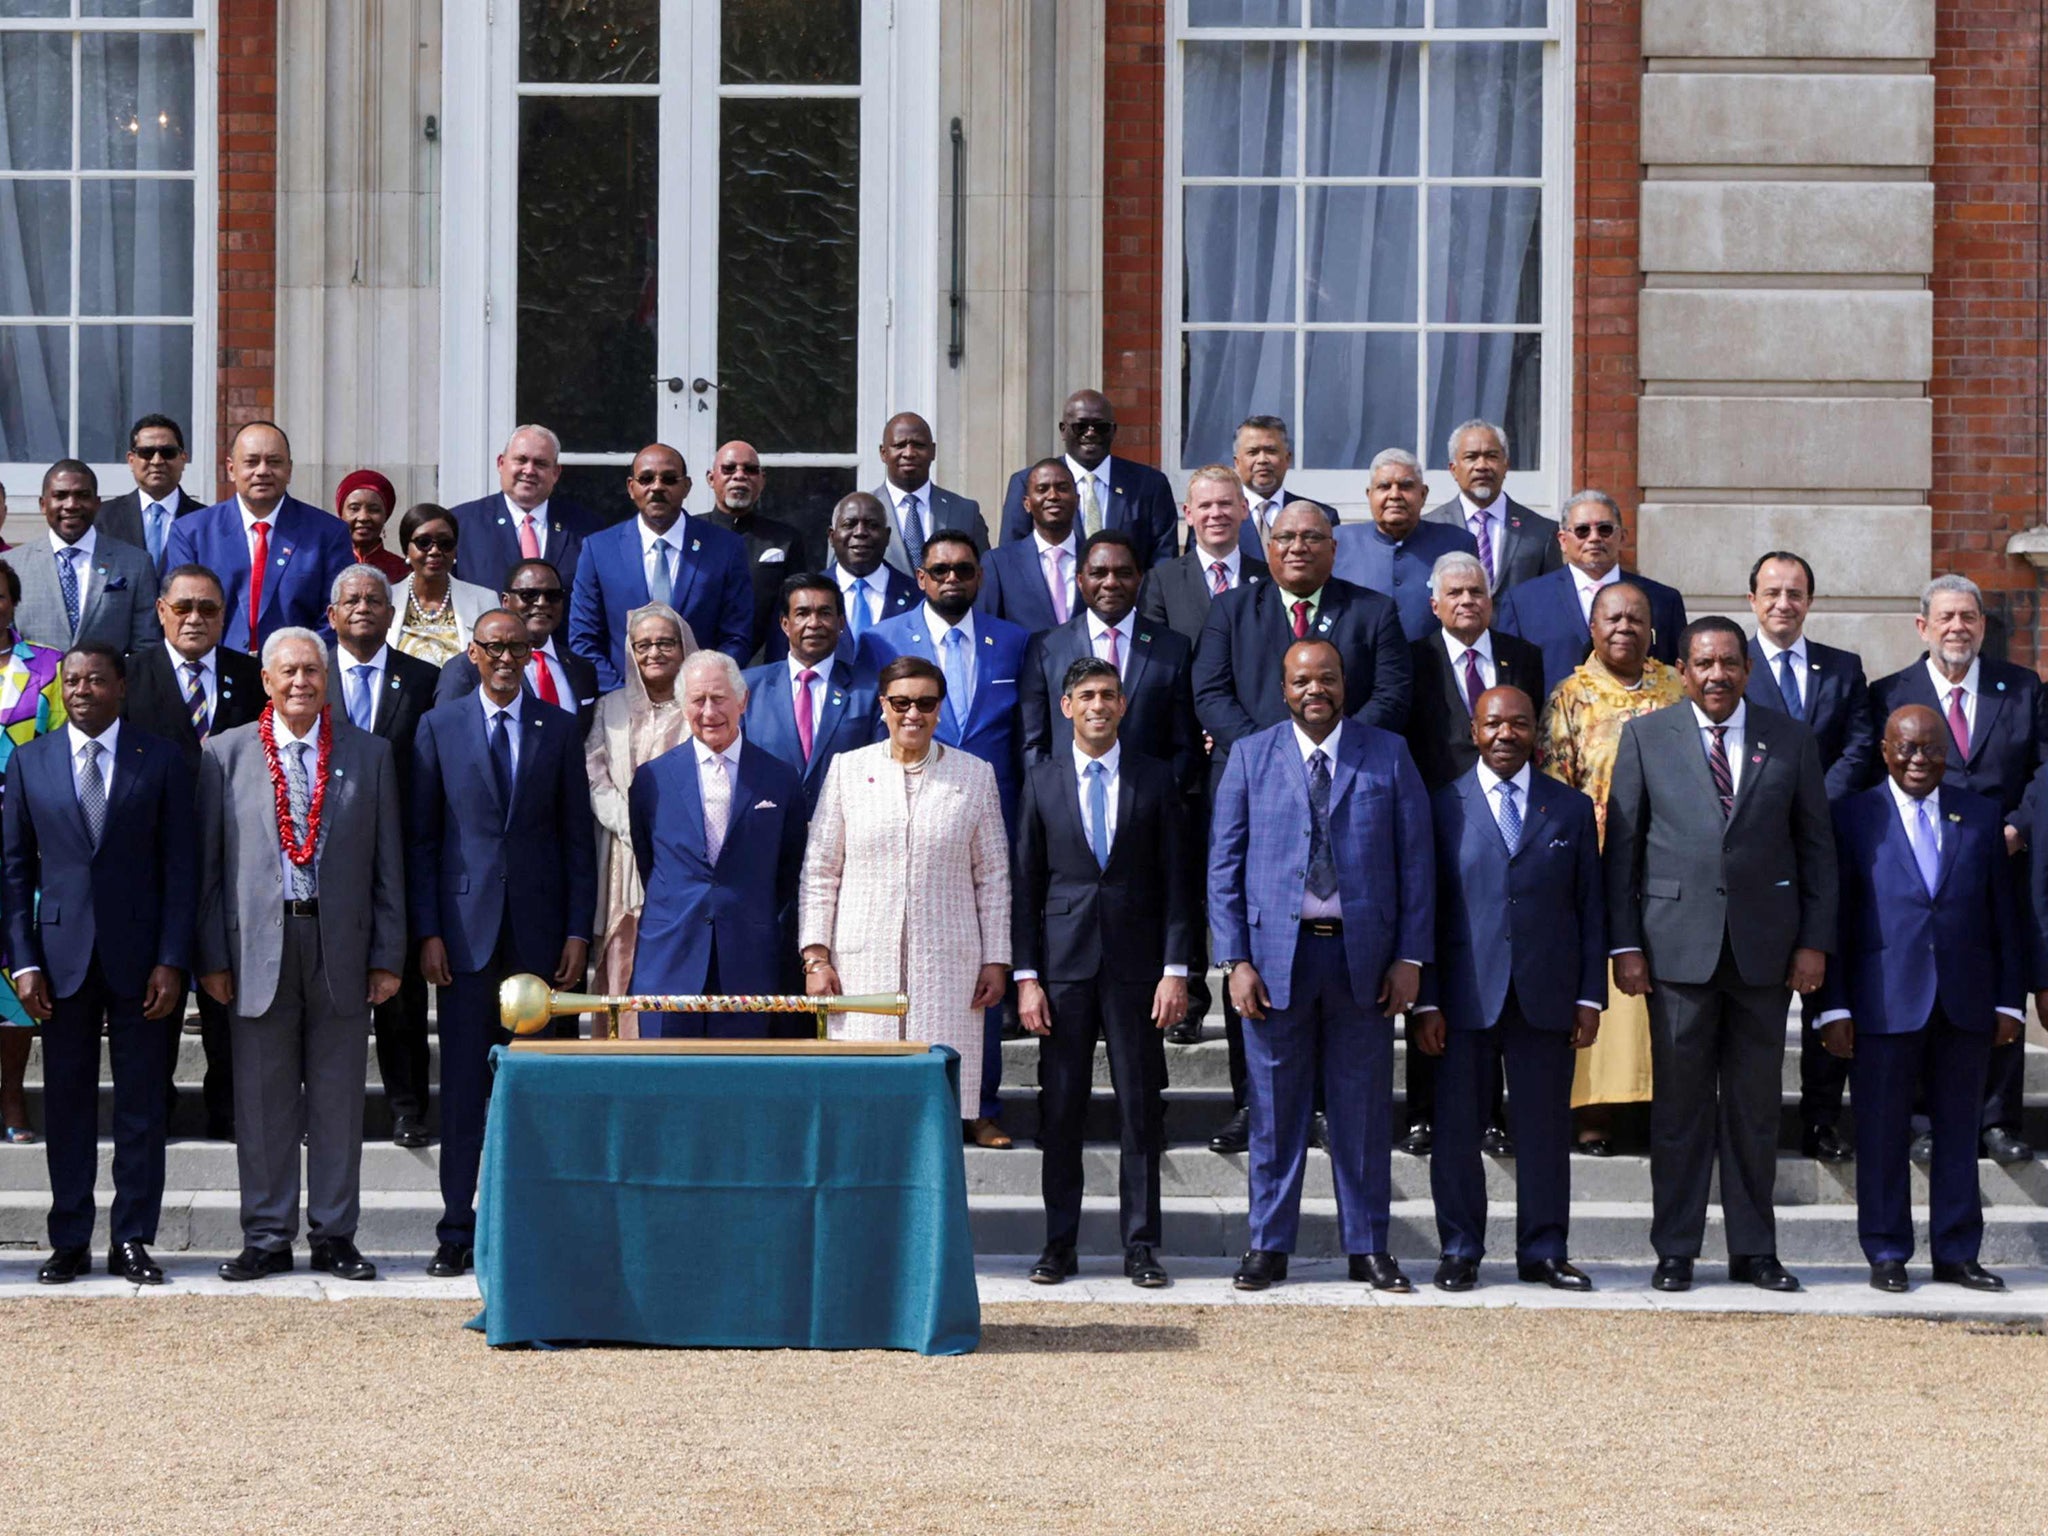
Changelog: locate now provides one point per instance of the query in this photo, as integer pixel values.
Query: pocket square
(1560, 842)
(764, 805)
(773, 556)
(117, 584)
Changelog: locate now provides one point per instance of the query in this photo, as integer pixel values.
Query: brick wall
(247, 381)
(1133, 223)
(1606, 276)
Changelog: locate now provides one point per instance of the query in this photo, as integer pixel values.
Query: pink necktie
(1114, 658)
(1474, 685)
(529, 542)
(1958, 725)
(803, 710)
(1219, 573)
(1057, 580)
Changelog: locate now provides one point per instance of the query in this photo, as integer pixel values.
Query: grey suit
(301, 1011)
(1717, 906)
(1527, 539)
(116, 599)
(949, 513)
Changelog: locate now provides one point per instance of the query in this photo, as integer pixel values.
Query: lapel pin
(2001, 687)
(1952, 816)
(838, 698)
(988, 639)
(695, 546)
(501, 520)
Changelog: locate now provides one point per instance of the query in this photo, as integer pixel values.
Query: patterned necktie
(259, 558)
(1301, 620)
(1788, 685)
(1219, 577)
(857, 607)
(501, 760)
(362, 707)
(1482, 532)
(1056, 579)
(658, 586)
(67, 583)
(1724, 776)
(544, 679)
(529, 538)
(954, 662)
(805, 680)
(1098, 812)
(92, 791)
(1959, 723)
(717, 806)
(1091, 509)
(913, 529)
(1510, 817)
(1926, 847)
(300, 798)
(1322, 863)
(195, 700)
(1474, 683)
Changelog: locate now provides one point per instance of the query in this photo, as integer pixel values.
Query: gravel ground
(214, 1415)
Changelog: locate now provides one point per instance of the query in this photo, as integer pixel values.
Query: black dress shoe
(1497, 1142)
(1824, 1144)
(1762, 1271)
(1889, 1275)
(64, 1265)
(1379, 1271)
(1453, 1274)
(1672, 1275)
(131, 1261)
(1186, 1032)
(1970, 1275)
(1236, 1135)
(1319, 1131)
(256, 1263)
(1053, 1266)
(1594, 1146)
(1142, 1269)
(409, 1131)
(450, 1260)
(338, 1257)
(1555, 1273)
(1259, 1269)
(1420, 1138)
(2005, 1149)
(1921, 1151)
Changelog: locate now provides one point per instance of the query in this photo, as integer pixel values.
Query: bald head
(908, 450)
(1504, 730)
(1916, 749)
(859, 533)
(736, 478)
(1087, 427)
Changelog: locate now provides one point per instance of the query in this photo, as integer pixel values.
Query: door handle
(697, 386)
(675, 384)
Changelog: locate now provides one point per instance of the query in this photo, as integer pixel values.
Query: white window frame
(24, 481)
(1544, 488)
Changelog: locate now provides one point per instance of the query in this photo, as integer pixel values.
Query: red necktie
(804, 679)
(1959, 723)
(1219, 573)
(1301, 620)
(544, 680)
(529, 543)
(259, 557)
(1474, 684)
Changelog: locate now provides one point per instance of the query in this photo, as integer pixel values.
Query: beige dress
(907, 882)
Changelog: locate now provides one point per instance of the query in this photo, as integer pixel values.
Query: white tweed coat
(910, 903)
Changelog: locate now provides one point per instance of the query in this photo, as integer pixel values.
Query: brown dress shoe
(983, 1132)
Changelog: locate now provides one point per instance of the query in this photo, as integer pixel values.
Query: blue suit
(1141, 502)
(1013, 587)
(1521, 939)
(308, 549)
(97, 921)
(487, 540)
(723, 927)
(1400, 570)
(1922, 975)
(1159, 701)
(503, 889)
(849, 718)
(1836, 708)
(1545, 611)
(710, 587)
(900, 594)
(1323, 988)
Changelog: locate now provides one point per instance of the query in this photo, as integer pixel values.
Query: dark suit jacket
(1159, 717)
(1237, 660)
(1679, 878)
(1534, 921)
(1439, 718)
(900, 594)
(1545, 612)
(407, 694)
(711, 588)
(1072, 919)
(128, 902)
(1527, 540)
(1177, 594)
(121, 518)
(1013, 586)
(1141, 502)
(156, 697)
(1368, 558)
(487, 540)
(1837, 712)
(458, 680)
(309, 547)
(2008, 743)
(850, 718)
(775, 551)
(1251, 543)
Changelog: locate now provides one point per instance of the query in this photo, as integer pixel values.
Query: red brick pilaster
(247, 382)
(1606, 247)
(1134, 222)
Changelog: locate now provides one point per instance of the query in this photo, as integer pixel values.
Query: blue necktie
(1322, 862)
(67, 583)
(913, 531)
(857, 609)
(501, 761)
(1926, 848)
(1098, 812)
(159, 515)
(1510, 819)
(362, 709)
(954, 662)
(659, 582)
(1788, 685)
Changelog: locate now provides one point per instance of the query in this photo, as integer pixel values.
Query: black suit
(775, 551)
(156, 704)
(120, 518)
(1159, 714)
(459, 677)
(1099, 938)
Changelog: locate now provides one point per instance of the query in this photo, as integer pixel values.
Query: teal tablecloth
(745, 1201)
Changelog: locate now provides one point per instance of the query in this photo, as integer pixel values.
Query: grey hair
(1950, 583)
(295, 632)
(1601, 498)
(1476, 424)
(359, 573)
(1388, 456)
(554, 443)
(1449, 565)
(717, 661)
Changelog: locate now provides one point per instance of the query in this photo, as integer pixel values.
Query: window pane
(35, 393)
(1239, 246)
(1361, 253)
(1494, 374)
(803, 497)
(1225, 377)
(137, 94)
(35, 101)
(1358, 396)
(1364, 109)
(782, 42)
(125, 371)
(26, 8)
(1240, 115)
(590, 42)
(35, 247)
(1486, 109)
(1243, 13)
(135, 248)
(789, 274)
(1492, 13)
(587, 197)
(1485, 255)
(146, 9)
(600, 489)
(1369, 13)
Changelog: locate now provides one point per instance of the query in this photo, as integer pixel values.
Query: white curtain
(35, 246)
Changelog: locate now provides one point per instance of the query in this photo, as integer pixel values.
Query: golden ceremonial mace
(526, 1003)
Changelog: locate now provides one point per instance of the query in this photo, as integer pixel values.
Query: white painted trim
(472, 156)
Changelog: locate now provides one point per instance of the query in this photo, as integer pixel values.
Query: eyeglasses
(1305, 540)
(904, 703)
(504, 650)
(665, 477)
(1908, 750)
(949, 570)
(164, 451)
(185, 607)
(428, 542)
(661, 646)
(531, 595)
(1592, 530)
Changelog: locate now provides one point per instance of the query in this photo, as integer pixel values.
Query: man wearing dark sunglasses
(554, 674)
(1553, 611)
(775, 550)
(158, 460)
(1109, 492)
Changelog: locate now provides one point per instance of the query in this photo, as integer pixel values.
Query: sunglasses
(433, 541)
(949, 570)
(904, 703)
(164, 451)
(739, 469)
(531, 595)
(185, 607)
(1091, 428)
(666, 477)
(1593, 531)
(504, 650)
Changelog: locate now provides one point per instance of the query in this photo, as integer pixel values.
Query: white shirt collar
(822, 668)
(1483, 645)
(1594, 584)
(376, 663)
(939, 626)
(649, 538)
(1733, 725)
(179, 663)
(107, 738)
(1772, 651)
(706, 756)
(284, 736)
(1908, 804)
(1072, 545)
(1100, 474)
(1098, 627)
(539, 514)
(1233, 561)
(1942, 685)
(922, 495)
(1308, 747)
(1490, 782)
(249, 518)
(84, 544)
(1469, 509)
(492, 711)
(1109, 761)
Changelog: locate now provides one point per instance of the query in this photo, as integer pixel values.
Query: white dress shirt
(673, 539)
(727, 764)
(1098, 639)
(540, 523)
(1588, 588)
(84, 544)
(1496, 522)
(209, 676)
(1482, 648)
(873, 594)
(1734, 737)
(821, 684)
(346, 665)
(282, 733)
(901, 501)
(1943, 687)
(1490, 783)
(1100, 475)
(511, 714)
(1263, 509)
(1232, 563)
(250, 520)
(1312, 906)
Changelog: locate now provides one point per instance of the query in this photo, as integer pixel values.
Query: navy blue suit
(1013, 586)
(503, 889)
(1836, 709)
(849, 718)
(1141, 503)
(1400, 570)
(1323, 989)
(1922, 974)
(308, 549)
(1159, 713)
(1545, 611)
(1521, 939)
(728, 926)
(710, 587)
(98, 920)
(900, 594)
(487, 539)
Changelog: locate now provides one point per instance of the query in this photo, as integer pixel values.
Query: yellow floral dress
(1582, 730)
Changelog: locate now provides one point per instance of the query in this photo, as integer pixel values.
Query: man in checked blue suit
(1322, 907)
(838, 711)
(1520, 976)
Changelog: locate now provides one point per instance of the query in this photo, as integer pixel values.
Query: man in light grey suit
(301, 933)
(917, 507)
(1721, 898)
(78, 585)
